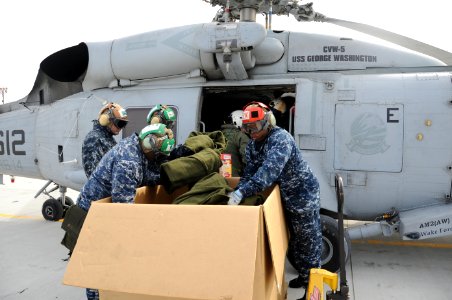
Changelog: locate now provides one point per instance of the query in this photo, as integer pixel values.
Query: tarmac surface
(32, 261)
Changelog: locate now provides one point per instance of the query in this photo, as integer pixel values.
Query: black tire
(52, 210)
(330, 241)
(67, 203)
(330, 245)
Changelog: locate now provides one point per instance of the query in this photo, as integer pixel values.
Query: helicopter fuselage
(378, 116)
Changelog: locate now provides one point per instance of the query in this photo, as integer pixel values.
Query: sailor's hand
(235, 198)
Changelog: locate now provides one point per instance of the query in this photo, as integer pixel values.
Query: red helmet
(256, 117)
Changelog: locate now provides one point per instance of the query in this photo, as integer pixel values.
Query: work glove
(235, 197)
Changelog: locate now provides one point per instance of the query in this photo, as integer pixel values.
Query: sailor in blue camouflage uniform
(273, 157)
(133, 162)
(111, 120)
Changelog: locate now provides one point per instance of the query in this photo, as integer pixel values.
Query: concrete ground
(32, 263)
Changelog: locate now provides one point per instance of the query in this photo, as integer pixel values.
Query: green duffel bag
(189, 169)
(72, 224)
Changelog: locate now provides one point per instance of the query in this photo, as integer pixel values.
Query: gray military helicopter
(379, 116)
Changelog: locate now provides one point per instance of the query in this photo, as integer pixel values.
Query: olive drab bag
(72, 224)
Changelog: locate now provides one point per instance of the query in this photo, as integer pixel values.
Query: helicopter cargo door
(368, 137)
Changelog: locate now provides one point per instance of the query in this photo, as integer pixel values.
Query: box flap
(174, 251)
(152, 194)
(277, 234)
(261, 262)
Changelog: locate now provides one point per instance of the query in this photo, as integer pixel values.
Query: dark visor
(119, 123)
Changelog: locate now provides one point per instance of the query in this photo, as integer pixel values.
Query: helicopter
(378, 116)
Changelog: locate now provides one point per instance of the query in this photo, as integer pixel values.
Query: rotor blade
(395, 38)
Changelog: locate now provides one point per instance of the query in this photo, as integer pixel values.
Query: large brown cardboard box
(156, 250)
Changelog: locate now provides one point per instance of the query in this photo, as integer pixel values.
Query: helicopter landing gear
(330, 244)
(330, 259)
(54, 209)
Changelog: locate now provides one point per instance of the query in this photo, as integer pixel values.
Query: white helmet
(236, 118)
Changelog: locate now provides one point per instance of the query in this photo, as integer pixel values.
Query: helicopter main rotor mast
(246, 10)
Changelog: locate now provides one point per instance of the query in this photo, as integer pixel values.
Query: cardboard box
(156, 250)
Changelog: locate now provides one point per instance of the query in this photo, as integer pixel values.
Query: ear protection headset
(154, 138)
(161, 114)
(106, 114)
(150, 142)
(113, 113)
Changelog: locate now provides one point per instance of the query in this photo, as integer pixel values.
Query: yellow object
(226, 168)
(317, 278)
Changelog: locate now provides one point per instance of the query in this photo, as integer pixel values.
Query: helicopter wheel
(67, 203)
(330, 245)
(52, 210)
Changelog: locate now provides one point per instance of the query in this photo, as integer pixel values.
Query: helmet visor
(252, 127)
(120, 123)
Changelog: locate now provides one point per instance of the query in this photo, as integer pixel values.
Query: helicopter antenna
(227, 11)
(3, 90)
(270, 12)
(25, 105)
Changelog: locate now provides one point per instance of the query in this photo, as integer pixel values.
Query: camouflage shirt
(277, 159)
(119, 173)
(97, 142)
(236, 146)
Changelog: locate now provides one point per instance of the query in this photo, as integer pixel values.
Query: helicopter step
(53, 208)
(416, 224)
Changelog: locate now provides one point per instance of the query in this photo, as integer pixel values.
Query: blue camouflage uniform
(96, 143)
(119, 173)
(278, 160)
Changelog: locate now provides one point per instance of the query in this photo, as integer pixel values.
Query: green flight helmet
(161, 114)
(154, 137)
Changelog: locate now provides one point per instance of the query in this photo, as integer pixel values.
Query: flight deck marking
(7, 216)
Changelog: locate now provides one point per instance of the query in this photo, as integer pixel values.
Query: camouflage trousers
(92, 294)
(305, 242)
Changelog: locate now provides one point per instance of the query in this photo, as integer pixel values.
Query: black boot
(296, 283)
